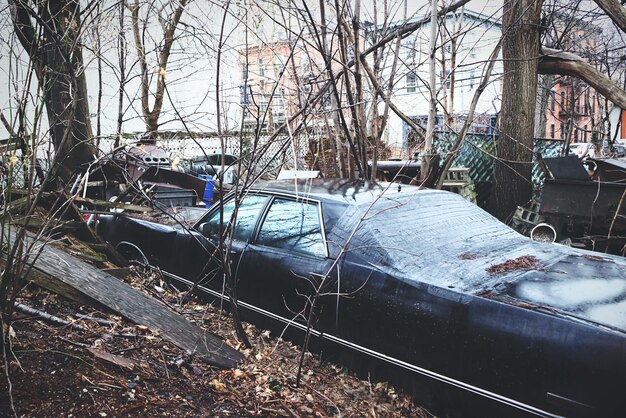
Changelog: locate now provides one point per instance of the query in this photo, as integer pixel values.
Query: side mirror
(206, 229)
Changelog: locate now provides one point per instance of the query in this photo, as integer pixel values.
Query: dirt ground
(100, 365)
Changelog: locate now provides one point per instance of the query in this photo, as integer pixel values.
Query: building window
(327, 99)
(350, 53)
(411, 82)
(552, 130)
(585, 133)
(245, 92)
(562, 130)
(447, 79)
(262, 103)
(562, 101)
(409, 47)
(261, 67)
(305, 65)
(593, 105)
(576, 135)
(278, 69)
(552, 101)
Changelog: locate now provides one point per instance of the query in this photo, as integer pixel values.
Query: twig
(619, 207)
(100, 321)
(167, 373)
(124, 350)
(55, 320)
(6, 340)
(76, 343)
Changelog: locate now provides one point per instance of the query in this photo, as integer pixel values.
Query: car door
(235, 240)
(281, 268)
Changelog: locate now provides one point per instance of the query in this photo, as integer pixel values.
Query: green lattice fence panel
(547, 148)
(478, 152)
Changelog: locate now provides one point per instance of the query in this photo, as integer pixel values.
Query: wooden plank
(55, 269)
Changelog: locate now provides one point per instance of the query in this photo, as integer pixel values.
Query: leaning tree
(524, 59)
(49, 32)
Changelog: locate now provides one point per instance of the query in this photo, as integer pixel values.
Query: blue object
(207, 198)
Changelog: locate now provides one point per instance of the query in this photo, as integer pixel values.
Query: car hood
(582, 285)
(440, 239)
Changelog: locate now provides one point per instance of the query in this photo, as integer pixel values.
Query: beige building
(277, 79)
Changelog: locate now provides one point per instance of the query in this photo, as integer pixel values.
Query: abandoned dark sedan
(475, 316)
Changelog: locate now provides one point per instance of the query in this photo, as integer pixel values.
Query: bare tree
(50, 33)
(169, 22)
(428, 165)
(524, 59)
(520, 51)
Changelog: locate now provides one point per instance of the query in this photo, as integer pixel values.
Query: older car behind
(474, 315)
(582, 150)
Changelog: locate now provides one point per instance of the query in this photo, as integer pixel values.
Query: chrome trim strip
(408, 366)
(567, 401)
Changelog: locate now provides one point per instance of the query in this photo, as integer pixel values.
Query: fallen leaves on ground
(54, 371)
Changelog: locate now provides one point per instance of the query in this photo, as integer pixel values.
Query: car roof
(348, 192)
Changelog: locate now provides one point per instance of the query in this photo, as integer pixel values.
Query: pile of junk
(144, 174)
(582, 204)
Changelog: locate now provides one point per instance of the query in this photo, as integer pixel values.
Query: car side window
(294, 226)
(247, 214)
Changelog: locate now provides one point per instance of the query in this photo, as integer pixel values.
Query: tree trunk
(427, 167)
(58, 60)
(520, 50)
